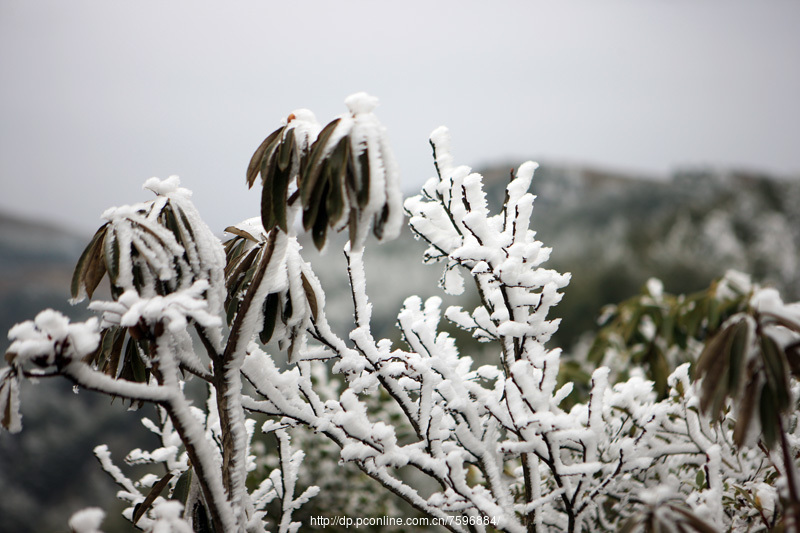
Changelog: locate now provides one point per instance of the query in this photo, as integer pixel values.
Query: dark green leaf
(700, 479)
(154, 493)
(200, 519)
(280, 190)
(287, 311)
(659, 368)
(233, 230)
(380, 221)
(353, 225)
(744, 414)
(111, 244)
(168, 219)
(255, 161)
(320, 229)
(233, 256)
(792, 353)
(768, 414)
(10, 418)
(112, 344)
(362, 193)
(713, 366)
(337, 168)
(182, 486)
(270, 317)
(316, 205)
(776, 371)
(267, 192)
(133, 368)
(308, 182)
(90, 268)
(714, 355)
(286, 150)
(240, 267)
(311, 296)
(185, 223)
(739, 345)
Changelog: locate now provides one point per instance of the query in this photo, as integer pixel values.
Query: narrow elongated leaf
(200, 519)
(168, 219)
(241, 266)
(316, 205)
(286, 150)
(111, 245)
(239, 280)
(287, 311)
(255, 162)
(776, 371)
(182, 487)
(267, 191)
(713, 353)
(311, 296)
(739, 344)
(745, 411)
(353, 225)
(233, 230)
(380, 221)
(280, 190)
(362, 193)
(185, 222)
(10, 417)
(793, 358)
(113, 341)
(133, 368)
(320, 229)
(309, 179)
(768, 414)
(233, 255)
(270, 317)
(90, 268)
(338, 163)
(154, 493)
(713, 366)
(659, 369)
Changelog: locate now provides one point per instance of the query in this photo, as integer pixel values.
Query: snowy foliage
(491, 447)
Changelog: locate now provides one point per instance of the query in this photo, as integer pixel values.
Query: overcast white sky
(97, 96)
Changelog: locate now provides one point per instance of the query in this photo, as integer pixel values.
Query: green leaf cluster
(332, 178)
(659, 331)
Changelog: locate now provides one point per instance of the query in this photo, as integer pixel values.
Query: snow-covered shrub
(472, 448)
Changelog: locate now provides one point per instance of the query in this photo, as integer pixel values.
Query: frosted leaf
(733, 284)
(130, 309)
(440, 138)
(50, 335)
(655, 288)
(10, 417)
(87, 520)
(453, 282)
(361, 103)
(305, 126)
(169, 186)
(167, 514)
